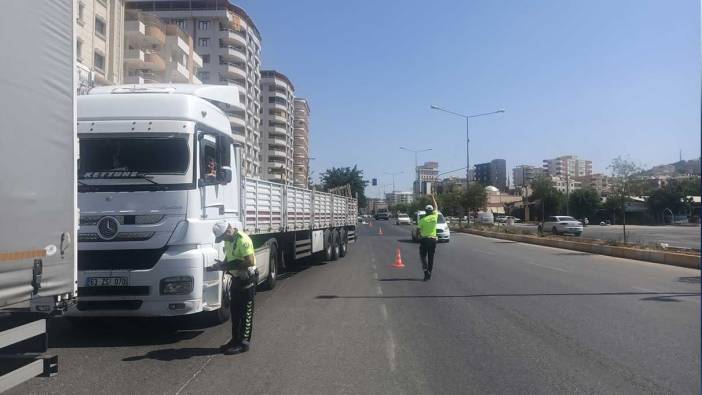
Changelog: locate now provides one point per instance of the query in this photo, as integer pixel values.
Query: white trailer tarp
(37, 150)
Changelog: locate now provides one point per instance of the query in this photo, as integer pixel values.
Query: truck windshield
(134, 161)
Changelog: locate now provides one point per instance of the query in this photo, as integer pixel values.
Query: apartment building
(567, 165)
(523, 175)
(598, 182)
(277, 128)
(229, 44)
(397, 197)
(428, 177)
(492, 173)
(301, 142)
(158, 52)
(99, 42)
(565, 184)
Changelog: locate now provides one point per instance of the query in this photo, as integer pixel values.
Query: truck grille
(110, 305)
(119, 259)
(113, 291)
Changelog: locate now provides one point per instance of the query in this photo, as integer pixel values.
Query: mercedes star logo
(107, 228)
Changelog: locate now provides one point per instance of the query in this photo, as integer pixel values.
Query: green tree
(672, 197)
(584, 202)
(624, 174)
(475, 198)
(548, 199)
(450, 203)
(336, 177)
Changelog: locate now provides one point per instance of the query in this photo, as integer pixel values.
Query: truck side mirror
(224, 175)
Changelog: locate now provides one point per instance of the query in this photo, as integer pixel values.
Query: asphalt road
(497, 317)
(677, 236)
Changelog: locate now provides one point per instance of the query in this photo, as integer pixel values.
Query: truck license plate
(106, 282)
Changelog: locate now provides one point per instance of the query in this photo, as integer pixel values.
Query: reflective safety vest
(239, 248)
(427, 225)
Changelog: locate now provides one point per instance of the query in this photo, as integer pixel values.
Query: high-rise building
(399, 197)
(492, 173)
(598, 182)
(428, 175)
(157, 52)
(99, 42)
(523, 175)
(301, 144)
(567, 166)
(230, 46)
(565, 184)
(277, 129)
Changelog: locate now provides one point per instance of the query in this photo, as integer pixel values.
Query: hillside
(675, 169)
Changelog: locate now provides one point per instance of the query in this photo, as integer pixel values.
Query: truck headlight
(179, 285)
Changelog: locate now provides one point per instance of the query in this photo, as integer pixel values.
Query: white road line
(384, 311)
(375, 276)
(378, 290)
(373, 266)
(546, 267)
(204, 365)
(390, 349)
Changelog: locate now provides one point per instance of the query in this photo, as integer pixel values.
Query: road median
(691, 260)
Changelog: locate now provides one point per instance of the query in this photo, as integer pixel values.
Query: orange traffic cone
(380, 231)
(398, 260)
(370, 224)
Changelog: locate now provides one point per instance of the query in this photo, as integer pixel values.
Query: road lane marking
(373, 266)
(384, 311)
(204, 365)
(547, 267)
(390, 349)
(375, 276)
(378, 290)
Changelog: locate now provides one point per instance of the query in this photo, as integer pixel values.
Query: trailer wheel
(328, 245)
(336, 242)
(222, 314)
(272, 277)
(344, 246)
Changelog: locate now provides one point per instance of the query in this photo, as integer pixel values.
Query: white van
(486, 217)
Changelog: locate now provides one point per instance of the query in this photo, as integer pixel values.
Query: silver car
(561, 224)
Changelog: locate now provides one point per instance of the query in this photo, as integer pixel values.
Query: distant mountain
(680, 168)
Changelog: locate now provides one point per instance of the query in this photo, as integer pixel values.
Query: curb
(662, 257)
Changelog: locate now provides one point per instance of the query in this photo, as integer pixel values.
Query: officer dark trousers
(242, 309)
(427, 247)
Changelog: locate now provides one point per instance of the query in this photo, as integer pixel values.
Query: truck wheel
(222, 314)
(336, 242)
(344, 247)
(272, 277)
(328, 245)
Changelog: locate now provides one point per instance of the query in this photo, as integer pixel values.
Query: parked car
(500, 219)
(485, 217)
(403, 219)
(443, 234)
(560, 224)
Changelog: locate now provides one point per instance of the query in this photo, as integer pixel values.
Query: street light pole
(467, 117)
(393, 178)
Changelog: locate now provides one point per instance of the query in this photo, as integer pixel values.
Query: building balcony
(233, 36)
(279, 129)
(279, 118)
(232, 81)
(281, 141)
(154, 62)
(234, 70)
(236, 121)
(154, 35)
(233, 52)
(134, 59)
(141, 77)
(134, 31)
(277, 153)
(180, 73)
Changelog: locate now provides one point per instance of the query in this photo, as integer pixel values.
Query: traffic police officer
(427, 237)
(240, 262)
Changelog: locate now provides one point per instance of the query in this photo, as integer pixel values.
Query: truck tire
(222, 314)
(328, 245)
(336, 245)
(344, 247)
(272, 277)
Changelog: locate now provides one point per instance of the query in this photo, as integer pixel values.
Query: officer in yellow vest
(240, 262)
(427, 237)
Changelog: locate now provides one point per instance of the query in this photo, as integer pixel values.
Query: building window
(205, 59)
(203, 75)
(81, 12)
(100, 27)
(99, 61)
(79, 50)
(180, 23)
(203, 25)
(203, 42)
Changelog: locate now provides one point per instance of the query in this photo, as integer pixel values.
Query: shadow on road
(124, 332)
(652, 296)
(174, 354)
(407, 241)
(505, 242)
(574, 253)
(400, 279)
(689, 280)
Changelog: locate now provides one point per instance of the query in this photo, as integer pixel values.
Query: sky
(593, 78)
